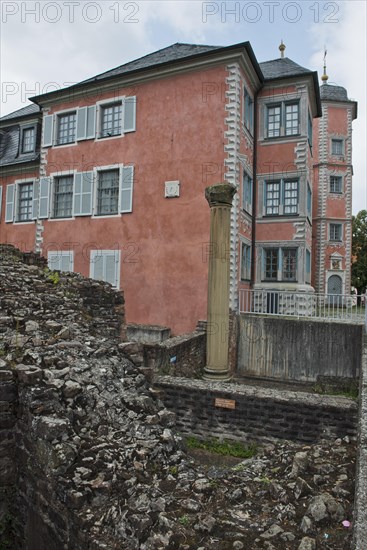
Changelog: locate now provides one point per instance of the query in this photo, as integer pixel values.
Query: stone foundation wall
(179, 356)
(258, 414)
(360, 521)
(8, 410)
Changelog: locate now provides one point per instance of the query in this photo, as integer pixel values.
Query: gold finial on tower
(325, 77)
(281, 49)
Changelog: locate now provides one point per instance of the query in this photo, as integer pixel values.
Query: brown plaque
(225, 403)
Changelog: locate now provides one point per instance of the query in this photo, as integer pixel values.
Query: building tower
(332, 190)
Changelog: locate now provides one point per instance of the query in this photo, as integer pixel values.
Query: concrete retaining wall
(360, 507)
(299, 350)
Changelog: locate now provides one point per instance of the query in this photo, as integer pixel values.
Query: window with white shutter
(83, 194)
(130, 114)
(9, 206)
(48, 130)
(63, 196)
(111, 120)
(105, 266)
(126, 188)
(44, 198)
(35, 202)
(24, 202)
(86, 123)
(61, 260)
(116, 117)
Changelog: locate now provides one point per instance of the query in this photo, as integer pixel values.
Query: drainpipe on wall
(254, 197)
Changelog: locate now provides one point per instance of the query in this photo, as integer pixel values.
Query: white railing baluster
(337, 307)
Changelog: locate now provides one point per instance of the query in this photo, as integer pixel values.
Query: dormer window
(28, 140)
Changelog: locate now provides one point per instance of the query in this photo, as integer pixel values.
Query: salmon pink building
(107, 178)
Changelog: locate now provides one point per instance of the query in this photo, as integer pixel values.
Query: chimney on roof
(281, 49)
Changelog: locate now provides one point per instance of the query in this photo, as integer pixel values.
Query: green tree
(359, 251)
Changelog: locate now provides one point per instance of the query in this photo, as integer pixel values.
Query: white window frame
(100, 105)
(99, 111)
(308, 259)
(248, 121)
(283, 123)
(265, 249)
(24, 129)
(53, 193)
(104, 253)
(281, 182)
(17, 184)
(280, 258)
(340, 178)
(338, 139)
(245, 268)
(336, 224)
(59, 254)
(59, 115)
(120, 168)
(95, 192)
(247, 204)
(309, 201)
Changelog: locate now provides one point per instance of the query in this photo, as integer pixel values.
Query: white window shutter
(67, 261)
(86, 123)
(126, 188)
(48, 130)
(81, 123)
(110, 268)
(44, 197)
(35, 202)
(91, 122)
(1, 199)
(9, 208)
(54, 261)
(130, 114)
(83, 193)
(96, 265)
(105, 266)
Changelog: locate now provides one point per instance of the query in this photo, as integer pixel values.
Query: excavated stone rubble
(98, 463)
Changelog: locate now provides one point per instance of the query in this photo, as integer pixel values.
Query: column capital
(220, 194)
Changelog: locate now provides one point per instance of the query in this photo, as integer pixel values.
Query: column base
(216, 374)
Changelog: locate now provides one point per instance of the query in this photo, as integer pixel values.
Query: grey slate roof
(333, 93)
(281, 68)
(25, 111)
(9, 148)
(10, 136)
(171, 53)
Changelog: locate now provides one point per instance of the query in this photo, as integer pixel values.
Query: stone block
(28, 374)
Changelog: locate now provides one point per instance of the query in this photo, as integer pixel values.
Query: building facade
(112, 182)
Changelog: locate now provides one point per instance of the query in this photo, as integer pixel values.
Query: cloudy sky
(45, 45)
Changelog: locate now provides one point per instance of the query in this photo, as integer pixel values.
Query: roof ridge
(32, 108)
(147, 56)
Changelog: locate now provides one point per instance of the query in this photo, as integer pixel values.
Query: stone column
(219, 198)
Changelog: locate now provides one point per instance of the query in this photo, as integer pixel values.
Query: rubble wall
(79, 427)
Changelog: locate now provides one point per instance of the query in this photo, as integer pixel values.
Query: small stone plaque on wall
(171, 189)
(225, 403)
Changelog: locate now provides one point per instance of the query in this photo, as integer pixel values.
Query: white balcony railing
(330, 307)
